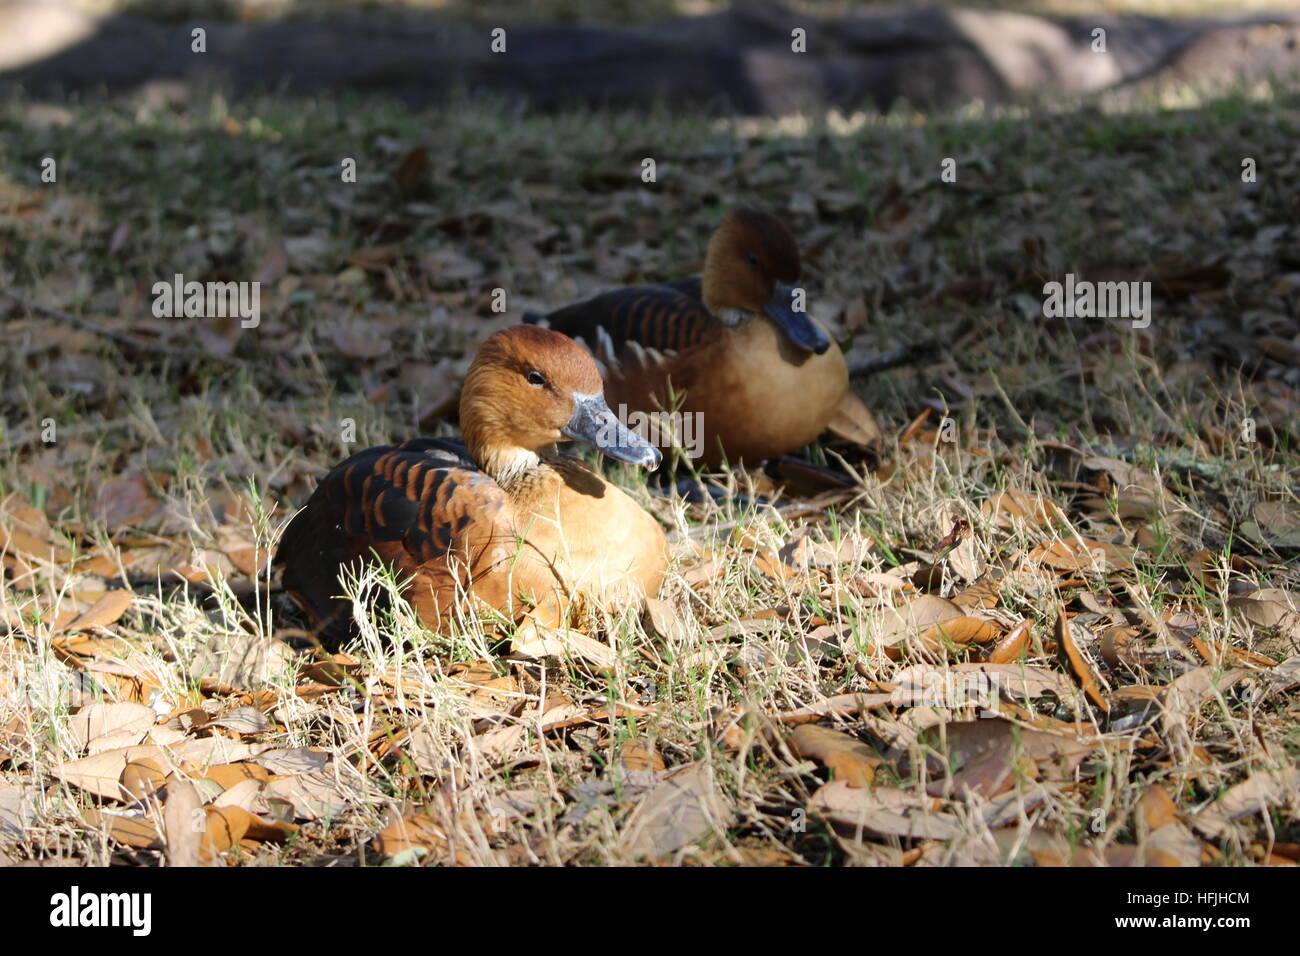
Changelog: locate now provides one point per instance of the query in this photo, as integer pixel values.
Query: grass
(172, 475)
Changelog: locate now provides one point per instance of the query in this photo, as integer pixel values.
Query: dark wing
(412, 504)
(666, 317)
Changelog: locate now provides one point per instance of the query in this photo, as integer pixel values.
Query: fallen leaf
(184, 821)
(847, 758)
(640, 755)
(293, 760)
(99, 720)
(142, 778)
(1078, 663)
(101, 773)
(1011, 507)
(124, 503)
(1270, 608)
(841, 705)
(1256, 794)
(914, 620)
(1082, 555)
(1276, 524)
(1013, 644)
(132, 831)
(105, 611)
(684, 808)
(314, 796)
(17, 812)
(884, 811)
(537, 641)
(244, 720)
(853, 422)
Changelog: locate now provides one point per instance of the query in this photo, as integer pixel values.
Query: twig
(124, 338)
(911, 354)
(66, 431)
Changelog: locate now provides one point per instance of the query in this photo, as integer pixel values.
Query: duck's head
(751, 268)
(529, 388)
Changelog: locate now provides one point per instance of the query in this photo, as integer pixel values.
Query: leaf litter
(1069, 634)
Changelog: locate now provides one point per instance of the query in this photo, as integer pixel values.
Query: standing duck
(502, 522)
(732, 345)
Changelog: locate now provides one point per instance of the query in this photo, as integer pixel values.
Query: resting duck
(728, 344)
(502, 520)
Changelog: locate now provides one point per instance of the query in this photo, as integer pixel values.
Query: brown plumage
(727, 345)
(501, 523)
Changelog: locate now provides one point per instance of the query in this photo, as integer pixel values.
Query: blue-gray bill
(595, 424)
(798, 328)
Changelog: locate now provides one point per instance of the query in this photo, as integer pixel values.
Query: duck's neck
(731, 317)
(518, 471)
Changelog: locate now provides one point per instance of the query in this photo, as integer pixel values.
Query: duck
(499, 522)
(732, 345)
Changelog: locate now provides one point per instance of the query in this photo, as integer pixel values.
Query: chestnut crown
(749, 254)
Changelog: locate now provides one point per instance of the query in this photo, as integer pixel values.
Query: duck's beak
(595, 424)
(798, 328)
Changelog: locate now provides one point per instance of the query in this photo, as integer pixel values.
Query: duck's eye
(537, 378)
(752, 259)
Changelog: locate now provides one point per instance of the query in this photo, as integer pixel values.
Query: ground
(1101, 667)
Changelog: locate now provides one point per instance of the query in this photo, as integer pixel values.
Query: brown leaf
(101, 773)
(123, 503)
(143, 777)
(1270, 608)
(17, 541)
(847, 758)
(1173, 844)
(663, 620)
(105, 611)
(640, 755)
(1277, 524)
(99, 720)
(244, 720)
(1013, 645)
(885, 811)
(314, 796)
(685, 808)
(984, 593)
(974, 684)
(534, 640)
(1116, 644)
(913, 620)
(184, 821)
(359, 340)
(854, 422)
(419, 831)
(1011, 507)
(1054, 755)
(231, 774)
(711, 565)
(1157, 808)
(18, 812)
(132, 831)
(1183, 699)
(841, 705)
(1078, 663)
(413, 168)
(1255, 794)
(960, 630)
(228, 827)
(1082, 555)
